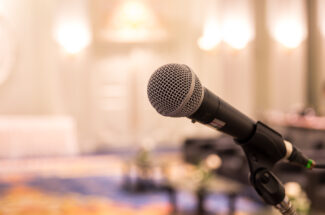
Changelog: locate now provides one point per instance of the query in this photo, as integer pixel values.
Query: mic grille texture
(174, 90)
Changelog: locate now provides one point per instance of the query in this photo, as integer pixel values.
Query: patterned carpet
(26, 200)
(83, 186)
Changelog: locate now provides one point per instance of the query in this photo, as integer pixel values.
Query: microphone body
(260, 142)
(218, 114)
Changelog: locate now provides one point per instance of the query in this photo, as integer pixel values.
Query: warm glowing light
(135, 14)
(213, 161)
(289, 33)
(211, 36)
(134, 21)
(73, 37)
(293, 189)
(237, 33)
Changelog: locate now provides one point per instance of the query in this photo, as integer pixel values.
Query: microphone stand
(263, 150)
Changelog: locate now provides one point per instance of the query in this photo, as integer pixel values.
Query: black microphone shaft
(219, 114)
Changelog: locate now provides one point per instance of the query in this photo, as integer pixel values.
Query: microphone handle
(218, 114)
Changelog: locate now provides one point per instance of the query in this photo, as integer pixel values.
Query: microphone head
(175, 91)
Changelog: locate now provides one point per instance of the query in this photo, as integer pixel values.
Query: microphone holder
(263, 150)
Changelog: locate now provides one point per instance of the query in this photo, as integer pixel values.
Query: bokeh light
(133, 21)
(289, 33)
(73, 37)
(237, 33)
(211, 35)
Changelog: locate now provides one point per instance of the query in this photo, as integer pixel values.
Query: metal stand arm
(263, 150)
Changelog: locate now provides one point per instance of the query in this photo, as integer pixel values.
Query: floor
(94, 185)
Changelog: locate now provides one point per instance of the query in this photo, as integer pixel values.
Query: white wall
(28, 88)
(46, 80)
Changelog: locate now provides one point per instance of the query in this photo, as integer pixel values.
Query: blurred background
(79, 136)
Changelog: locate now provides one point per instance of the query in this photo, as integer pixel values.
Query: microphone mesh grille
(195, 101)
(170, 86)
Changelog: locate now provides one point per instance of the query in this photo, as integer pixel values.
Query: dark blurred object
(139, 178)
(201, 197)
(312, 141)
(139, 173)
(308, 111)
(234, 164)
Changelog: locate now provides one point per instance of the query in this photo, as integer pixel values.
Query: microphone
(175, 91)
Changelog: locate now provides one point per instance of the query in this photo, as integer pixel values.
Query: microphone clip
(263, 150)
